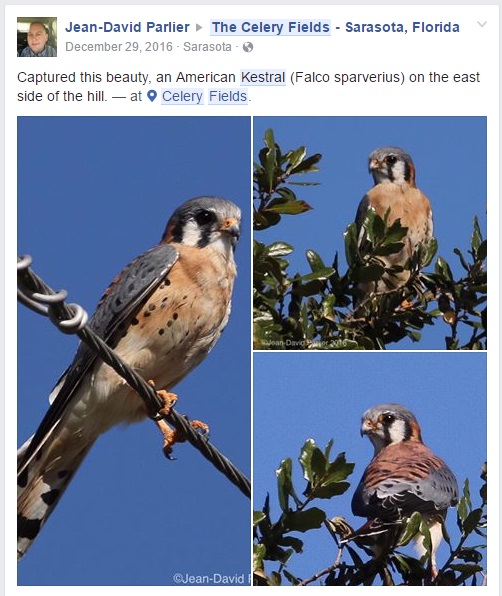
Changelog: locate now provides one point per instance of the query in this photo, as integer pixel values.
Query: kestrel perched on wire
(394, 192)
(162, 315)
(404, 476)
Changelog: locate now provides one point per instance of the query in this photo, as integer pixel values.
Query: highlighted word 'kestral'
(263, 77)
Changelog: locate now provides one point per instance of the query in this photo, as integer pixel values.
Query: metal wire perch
(36, 295)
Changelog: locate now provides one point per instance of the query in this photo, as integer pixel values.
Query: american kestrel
(404, 476)
(393, 172)
(162, 315)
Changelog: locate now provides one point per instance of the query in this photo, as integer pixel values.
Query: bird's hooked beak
(231, 227)
(367, 427)
(374, 164)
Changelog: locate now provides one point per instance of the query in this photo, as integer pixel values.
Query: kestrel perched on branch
(404, 476)
(162, 315)
(395, 193)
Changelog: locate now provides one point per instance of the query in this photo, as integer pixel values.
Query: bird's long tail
(41, 480)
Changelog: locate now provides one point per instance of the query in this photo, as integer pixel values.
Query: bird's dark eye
(388, 418)
(391, 159)
(205, 217)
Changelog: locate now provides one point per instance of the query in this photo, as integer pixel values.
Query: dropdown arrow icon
(482, 24)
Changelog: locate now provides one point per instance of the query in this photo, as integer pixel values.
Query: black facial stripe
(386, 433)
(205, 235)
(407, 171)
(177, 231)
(390, 173)
(407, 430)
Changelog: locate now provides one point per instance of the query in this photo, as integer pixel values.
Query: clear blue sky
(93, 194)
(450, 160)
(323, 395)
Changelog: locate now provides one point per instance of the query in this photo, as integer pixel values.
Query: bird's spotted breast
(176, 327)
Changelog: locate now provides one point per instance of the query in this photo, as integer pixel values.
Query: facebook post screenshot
(251, 345)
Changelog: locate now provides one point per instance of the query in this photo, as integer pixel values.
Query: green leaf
(311, 288)
(273, 267)
(259, 553)
(476, 237)
(295, 158)
(287, 207)
(444, 531)
(315, 261)
(411, 569)
(258, 249)
(302, 521)
(295, 543)
(483, 492)
(466, 569)
(308, 165)
(258, 517)
(350, 241)
(482, 251)
(304, 183)
(270, 160)
(390, 248)
(266, 505)
(371, 272)
(442, 268)
(470, 554)
(265, 219)
(395, 233)
(368, 221)
(327, 449)
(284, 483)
(414, 335)
(286, 193)
(411, 529)
(377, 229)
(429, 252)
(339, 469)
(279, 249)
(467, 492)
(329, 490)
(262, 155)
(324, 273)
(328, 304)
(425, 532)
(305, 459)
(402, 564)
(275, 579)
(318, 463)
(472, 520)
(463, 262)
(269, 138)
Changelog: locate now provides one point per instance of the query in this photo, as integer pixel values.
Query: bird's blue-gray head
(387, 424)
(391, 165)
(205, 221)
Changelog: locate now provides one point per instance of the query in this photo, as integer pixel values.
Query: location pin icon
(152, 95)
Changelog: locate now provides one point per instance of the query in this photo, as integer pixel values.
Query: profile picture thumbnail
(37, 37)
